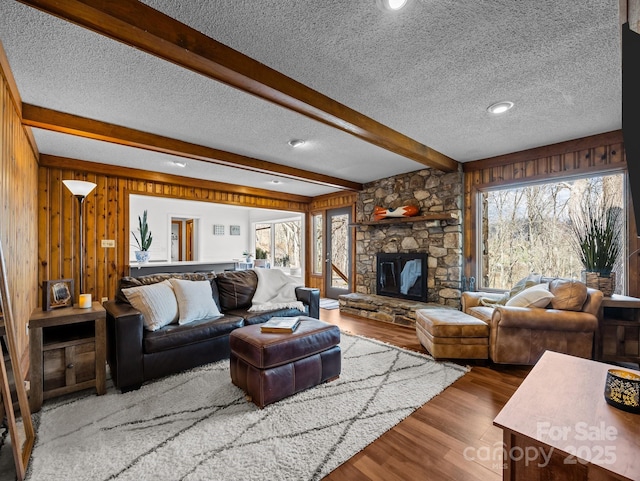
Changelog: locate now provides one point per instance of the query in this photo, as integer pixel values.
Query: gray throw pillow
(195, 300)
(156, 302)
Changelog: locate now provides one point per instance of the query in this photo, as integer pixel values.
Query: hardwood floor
(452, 437)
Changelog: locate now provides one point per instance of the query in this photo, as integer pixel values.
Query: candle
(85, 301)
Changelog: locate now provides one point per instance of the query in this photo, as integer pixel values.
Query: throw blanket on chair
(276, 290)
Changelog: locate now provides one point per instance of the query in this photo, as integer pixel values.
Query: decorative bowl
(622, 390)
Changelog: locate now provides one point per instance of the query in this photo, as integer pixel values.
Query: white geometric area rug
(198, 426)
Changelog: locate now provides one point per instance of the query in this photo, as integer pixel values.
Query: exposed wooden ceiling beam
(138, 25)
(56, 121)
(55, 161)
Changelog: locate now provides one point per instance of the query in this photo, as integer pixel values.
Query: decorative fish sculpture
(380, 213)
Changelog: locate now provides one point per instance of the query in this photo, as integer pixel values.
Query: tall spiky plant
(144, 242)
(597, 233)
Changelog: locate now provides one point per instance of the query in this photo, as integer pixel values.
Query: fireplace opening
(402, 275)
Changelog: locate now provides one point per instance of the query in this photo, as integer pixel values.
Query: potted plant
(261, 257)
(144, 241)
(597, 230)
(247, 256)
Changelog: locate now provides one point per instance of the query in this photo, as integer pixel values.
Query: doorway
(338, 261)
(189, 238)
(176, 240)
(182, 239)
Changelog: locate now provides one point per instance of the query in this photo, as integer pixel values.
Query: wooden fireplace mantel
(405, 220)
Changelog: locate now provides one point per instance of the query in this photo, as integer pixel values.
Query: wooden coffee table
(557, 425)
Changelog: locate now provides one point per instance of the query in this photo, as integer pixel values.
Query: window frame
(315, 254)
(478, 241)
(272, 223)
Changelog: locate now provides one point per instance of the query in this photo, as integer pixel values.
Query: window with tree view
(531, 229)
(280, 243)
(318, 239)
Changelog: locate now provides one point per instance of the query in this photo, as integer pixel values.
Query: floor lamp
(80, 189)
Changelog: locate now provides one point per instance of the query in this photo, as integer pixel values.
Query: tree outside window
(282, 241)
(527, 229)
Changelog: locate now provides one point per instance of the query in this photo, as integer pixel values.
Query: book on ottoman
(281, 324)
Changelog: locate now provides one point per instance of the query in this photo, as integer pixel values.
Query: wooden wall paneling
(111, 214)
(122, 224)
(100, 232)
(106, 216)
(101, 253)
(600, 154)
(617, 154)
(44, 227)
(571, 162)
(469, 224)
(90, 267)
(68, 237)
(18, 209)
(584, 158)
(55, 258)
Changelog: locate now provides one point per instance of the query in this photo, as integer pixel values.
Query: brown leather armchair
(520, 335)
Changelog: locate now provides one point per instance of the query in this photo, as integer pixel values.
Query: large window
(282, 243)
(527, 229)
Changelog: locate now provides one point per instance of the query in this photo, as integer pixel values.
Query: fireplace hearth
(403, 276)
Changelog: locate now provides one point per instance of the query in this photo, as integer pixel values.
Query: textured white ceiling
(428, 71)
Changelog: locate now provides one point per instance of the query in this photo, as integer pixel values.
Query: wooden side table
(618, 334)
(67, 349)
(557, 425)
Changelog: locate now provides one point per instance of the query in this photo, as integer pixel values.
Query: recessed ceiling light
(499, 107)
(296, 143)
(391, 4)
(177, 163)
(276, 182)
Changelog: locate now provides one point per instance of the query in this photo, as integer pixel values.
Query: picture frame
(57, 293)
(218, 229)
(234, 230)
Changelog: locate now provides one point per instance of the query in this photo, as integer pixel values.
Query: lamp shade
(79, 187)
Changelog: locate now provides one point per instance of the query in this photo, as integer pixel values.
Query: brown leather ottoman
(272, 366)
(452, 334)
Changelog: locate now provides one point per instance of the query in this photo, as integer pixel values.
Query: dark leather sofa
(136, 355)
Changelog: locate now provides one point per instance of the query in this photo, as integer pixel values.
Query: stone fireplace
(434, 192)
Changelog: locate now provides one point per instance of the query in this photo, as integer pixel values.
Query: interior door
(189, 236)
(338, 261)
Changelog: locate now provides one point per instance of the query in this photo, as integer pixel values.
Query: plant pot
(603, 282)
(142, 257)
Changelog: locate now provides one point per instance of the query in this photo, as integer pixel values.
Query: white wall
(210, 248)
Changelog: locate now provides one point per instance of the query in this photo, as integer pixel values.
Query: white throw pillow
(156, 302)
(195, 300)
(535, 296)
